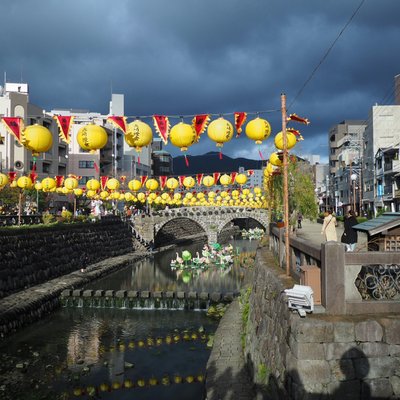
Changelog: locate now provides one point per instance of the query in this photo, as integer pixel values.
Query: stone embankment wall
(318, 356)
(32, 256)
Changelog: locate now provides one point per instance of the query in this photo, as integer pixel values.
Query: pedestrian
(350, 237)
(329, 227)
(299, 219)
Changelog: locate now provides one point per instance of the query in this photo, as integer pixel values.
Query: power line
(326, 54)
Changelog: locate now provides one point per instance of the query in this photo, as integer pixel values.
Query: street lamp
(353, 178)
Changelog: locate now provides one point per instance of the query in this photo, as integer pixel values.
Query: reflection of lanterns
(48, 184)
(134, 185)
(152, 184)
(71, 183)
(220, 131)
(274, 159)
(92, 137)
(3, 180)
(182, 135)
(172, 183)
(208, 181)
(138, 135)
(241, 179)
(225, 180)
(112, 184)
(189, 182)
(291, 140)
(37, 138)
(24, 182)
(92, 184)
(258, 129)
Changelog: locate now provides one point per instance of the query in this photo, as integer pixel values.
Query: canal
(113, 353)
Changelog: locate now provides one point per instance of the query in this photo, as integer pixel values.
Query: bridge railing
(351, 282)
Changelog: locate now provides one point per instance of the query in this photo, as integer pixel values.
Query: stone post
(333, 277)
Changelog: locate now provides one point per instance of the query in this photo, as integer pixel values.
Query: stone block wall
(320, 356)
(33, 256)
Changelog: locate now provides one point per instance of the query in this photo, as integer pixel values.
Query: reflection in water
(155, 274)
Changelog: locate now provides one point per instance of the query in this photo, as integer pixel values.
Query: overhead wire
(308, 80)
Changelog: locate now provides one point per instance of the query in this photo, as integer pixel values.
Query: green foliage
(262, 373)
(245, 304)
(47, 218)
(67, 215)
(9, 199)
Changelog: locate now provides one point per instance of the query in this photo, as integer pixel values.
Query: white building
(381, 135)
(14, 102)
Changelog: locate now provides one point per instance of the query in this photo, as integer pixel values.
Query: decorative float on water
(210, 255)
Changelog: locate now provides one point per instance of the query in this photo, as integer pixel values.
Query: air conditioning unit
(19, 165)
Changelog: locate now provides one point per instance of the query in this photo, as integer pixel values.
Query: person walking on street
(329, 227)
(350, 237)
(299, 219)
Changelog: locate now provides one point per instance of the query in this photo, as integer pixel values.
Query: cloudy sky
(211, 56)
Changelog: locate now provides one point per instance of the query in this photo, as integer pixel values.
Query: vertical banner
(15, 126)
(240, 119)
(250, 172)
(199, 123)
(59, 180)
(11, 176)
(163, 181)
(33, 175)
(199, 178)
(64, 125)
(216, 176)
(180, 179)
(118, 122)
(122, 178)
(161, 123)
(143, 179)
(103, 182)
(233, 177)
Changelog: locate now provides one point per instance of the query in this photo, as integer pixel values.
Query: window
(84, 179)
(46, 168)
(2, 138)
(86, 164)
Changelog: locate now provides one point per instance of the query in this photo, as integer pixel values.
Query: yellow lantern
(3, 180)
(13, 184)
(141, 197)
(58, 190)
(112, 184)
(177, 196)
(208, 181)
(172, 183)
(152, 184)
(134, 185)
(90, 193)
(115, 195)
(93, 184)
(92, 137)
(269, 169)
(241, 179)
(48, 184)
(225, 180)
(258, 129)
(182, 135)
(38, 186)
(65, 190)
(78, 192)
(257, 190)
(121, 197)
(24, 182)
(220, 131)
(152, 196)
(37, 138)
(274, 159)
(291, 140)
(138, 135)
(211, 195)
(189, 195)
(104, 194)
(189, 182)
(165, 196)
(128, 196)
(71, 183)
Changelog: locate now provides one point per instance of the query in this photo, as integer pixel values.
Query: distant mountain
(210, 162)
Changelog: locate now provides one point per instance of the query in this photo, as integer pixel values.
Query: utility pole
(285, 183)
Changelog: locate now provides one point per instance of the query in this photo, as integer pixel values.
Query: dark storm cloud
(190, 57)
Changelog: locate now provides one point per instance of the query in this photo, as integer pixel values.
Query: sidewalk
(311, 231)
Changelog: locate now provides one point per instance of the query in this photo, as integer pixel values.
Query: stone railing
(351, 282)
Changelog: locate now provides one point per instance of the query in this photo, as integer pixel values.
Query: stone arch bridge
(205, 220)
